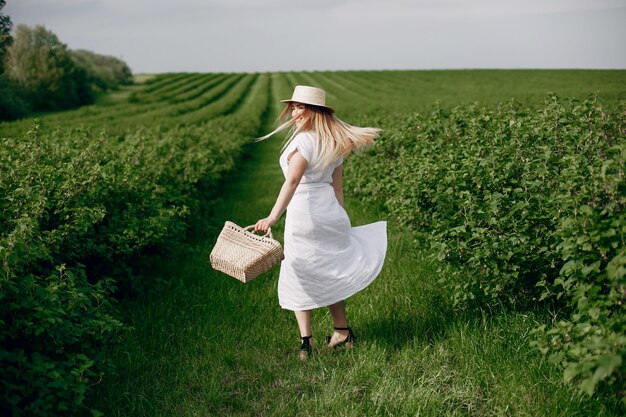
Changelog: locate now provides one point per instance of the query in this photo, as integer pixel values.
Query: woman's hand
(264, 224)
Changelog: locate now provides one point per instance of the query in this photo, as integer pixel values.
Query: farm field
(137, 187)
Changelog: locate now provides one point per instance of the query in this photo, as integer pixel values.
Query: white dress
(326, 259)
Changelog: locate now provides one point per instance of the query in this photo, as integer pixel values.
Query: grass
(204, 344)
(142, 78)
(122, 93)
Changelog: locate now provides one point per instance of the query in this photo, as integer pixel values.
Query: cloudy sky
(287, 35)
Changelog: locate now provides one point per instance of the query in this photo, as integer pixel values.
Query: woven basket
(243, 254)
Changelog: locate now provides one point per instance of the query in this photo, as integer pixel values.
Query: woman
(326, 260)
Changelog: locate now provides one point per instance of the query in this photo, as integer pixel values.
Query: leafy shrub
(526, 206)
(53, 330)
(54, 323)
(591, 343)
(76, 207)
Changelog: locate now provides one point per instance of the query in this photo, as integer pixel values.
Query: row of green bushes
(528, 207)
(78, 206)
(39, 73)
(219, 94)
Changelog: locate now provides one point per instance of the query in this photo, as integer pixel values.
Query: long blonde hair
(335, 137)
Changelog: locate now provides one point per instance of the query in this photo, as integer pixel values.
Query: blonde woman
(326, 259)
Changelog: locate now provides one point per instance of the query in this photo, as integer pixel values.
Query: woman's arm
(295, 170)
(338, 184)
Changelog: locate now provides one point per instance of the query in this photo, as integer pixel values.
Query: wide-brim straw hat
(309, 95)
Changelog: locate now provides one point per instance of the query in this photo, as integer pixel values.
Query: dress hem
(343, 297)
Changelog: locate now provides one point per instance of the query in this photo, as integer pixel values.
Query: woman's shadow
(399, 327)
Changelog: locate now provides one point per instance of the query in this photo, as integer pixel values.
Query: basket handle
(269, 231)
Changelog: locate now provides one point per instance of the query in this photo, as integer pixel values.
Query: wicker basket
(243, 254)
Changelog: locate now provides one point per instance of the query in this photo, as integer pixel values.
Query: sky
(156, 36)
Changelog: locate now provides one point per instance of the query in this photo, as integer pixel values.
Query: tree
(5, 35)
(106, 71)
(41, 73)
(12, 102)
(39, 63)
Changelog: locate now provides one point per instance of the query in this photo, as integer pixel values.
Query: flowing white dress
(326, 259)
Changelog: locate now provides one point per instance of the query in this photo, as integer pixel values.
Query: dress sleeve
(304, 146)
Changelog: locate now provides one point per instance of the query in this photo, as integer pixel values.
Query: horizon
(381, 70)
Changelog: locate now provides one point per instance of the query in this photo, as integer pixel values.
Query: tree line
(40, 73)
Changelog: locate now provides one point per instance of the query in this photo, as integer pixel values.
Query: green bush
(53, 330)
(590, 344)
(77, 207)
(54, 322)
(526, 206)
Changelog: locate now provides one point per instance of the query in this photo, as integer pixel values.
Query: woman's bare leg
(304, 322)
(338, 312)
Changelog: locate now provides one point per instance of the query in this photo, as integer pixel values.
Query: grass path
(204, 344)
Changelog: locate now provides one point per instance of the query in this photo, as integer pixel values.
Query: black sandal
(305, 348)
(348, 341)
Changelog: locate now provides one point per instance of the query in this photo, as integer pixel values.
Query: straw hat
(309, 95)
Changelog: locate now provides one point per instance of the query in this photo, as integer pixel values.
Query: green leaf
(607, 365)
(570, 373)
(591, 268)
(594, 313)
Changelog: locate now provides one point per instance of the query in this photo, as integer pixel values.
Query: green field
(137, 188)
